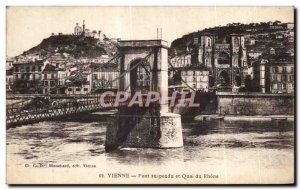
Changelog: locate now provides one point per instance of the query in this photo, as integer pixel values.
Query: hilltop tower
(83, 27)
(77, 30)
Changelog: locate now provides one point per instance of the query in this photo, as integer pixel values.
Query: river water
(229, 152)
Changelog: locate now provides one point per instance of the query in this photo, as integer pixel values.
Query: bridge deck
(17, 115)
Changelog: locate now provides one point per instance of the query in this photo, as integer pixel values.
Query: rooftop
(30, 62)
(49, 67)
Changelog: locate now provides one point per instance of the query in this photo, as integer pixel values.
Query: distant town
(257, 57)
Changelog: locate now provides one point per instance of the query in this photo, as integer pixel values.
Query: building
(9, 63)
(195, 78)
(183, 60)
(225, 57)
(100, 59)
(276, 27)
(83, 31)
(9, 74)
(252, 54)
(255, 80)
(104, 77)
(78, 80)
(290, 26)
(272, 51)
(9, 80)
(262, 75)
(77, 30)
(279, 36)
(252, 41)
(53, 80)
(27, 76)
(282, 78)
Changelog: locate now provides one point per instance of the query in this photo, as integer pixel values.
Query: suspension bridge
(35, 108)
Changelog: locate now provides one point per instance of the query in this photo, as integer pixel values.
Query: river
(233, 152)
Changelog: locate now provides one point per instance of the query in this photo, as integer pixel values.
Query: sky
(26, 27)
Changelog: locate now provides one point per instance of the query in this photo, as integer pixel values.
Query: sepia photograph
(144, 95)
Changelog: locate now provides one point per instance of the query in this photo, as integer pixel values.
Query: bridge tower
(146, 64)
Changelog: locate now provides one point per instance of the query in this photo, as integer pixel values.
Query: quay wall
(255, 104)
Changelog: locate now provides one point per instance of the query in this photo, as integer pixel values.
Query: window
(283, 86)
(22, 77)
(95, 76)
(40, 68)
(85, 89)
(278, 78)
(27, 69)
(46, 83)
(69, 89)
(208, 42)
(33, 68)
(283, 78)
(284, 69)
(110, 77)
(188, 61)
(262, 74)
(236, 42)
(275, 69)
(77, 89)
(275, 86)
(17, 69)
(45, 76)
(291, 78)
(52, 83)
(52, 76)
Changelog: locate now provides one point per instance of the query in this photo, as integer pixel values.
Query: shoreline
(244, 117)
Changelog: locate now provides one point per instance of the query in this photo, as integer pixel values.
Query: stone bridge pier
(144, 68)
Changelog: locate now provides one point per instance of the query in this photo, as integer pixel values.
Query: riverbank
(245, 117)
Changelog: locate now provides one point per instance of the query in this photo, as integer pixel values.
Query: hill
(251, 30)
(77, 46)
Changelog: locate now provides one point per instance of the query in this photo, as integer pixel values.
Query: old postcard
(150, 95)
